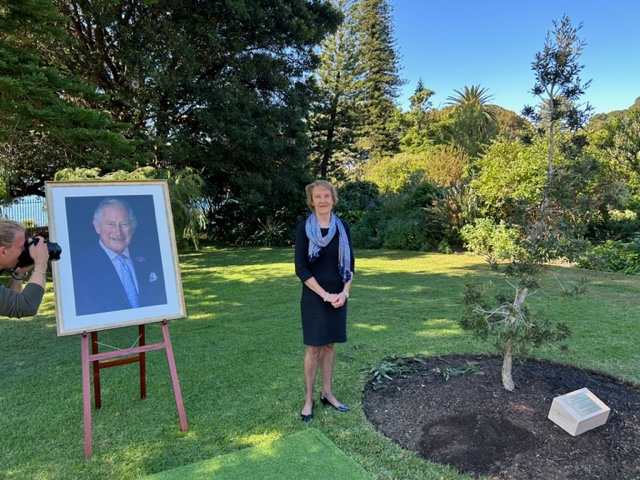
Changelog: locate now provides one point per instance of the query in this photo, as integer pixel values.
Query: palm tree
(475, 122)
(475, 97)
(470, 95)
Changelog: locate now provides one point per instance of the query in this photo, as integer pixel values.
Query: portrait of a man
(119, 267)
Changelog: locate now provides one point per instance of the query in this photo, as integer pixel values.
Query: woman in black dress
(324, 263)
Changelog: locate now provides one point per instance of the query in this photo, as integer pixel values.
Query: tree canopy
(256, 98)
(46, 117)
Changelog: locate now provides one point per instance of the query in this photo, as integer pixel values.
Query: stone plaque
(578, 411)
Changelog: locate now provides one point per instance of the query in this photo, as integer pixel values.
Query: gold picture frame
(87, 296)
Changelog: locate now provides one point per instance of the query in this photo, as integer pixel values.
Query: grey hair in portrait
(114, 202)
(322, 184)
(8, 231)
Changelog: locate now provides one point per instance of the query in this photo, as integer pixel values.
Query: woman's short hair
(322, 184)
(8, 231)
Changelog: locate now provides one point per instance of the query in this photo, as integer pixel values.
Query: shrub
(613, 256)
(401, 221)
(444, 247)
(614, 225)
(364, 232)
(421, 195)
(449, 211)
(270, 234)
(406, 232)
(29, 223)
(486, 238)
(355, 198)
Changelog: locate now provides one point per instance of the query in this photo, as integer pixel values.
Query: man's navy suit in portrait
(98, 287)
(112, 274)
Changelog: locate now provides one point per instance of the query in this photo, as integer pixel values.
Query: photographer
(14, 301)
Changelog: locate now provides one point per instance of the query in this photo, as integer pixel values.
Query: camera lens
(54, 251)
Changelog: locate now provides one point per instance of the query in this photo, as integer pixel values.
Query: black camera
(25, 259)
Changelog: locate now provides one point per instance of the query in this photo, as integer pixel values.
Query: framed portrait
(119, 262)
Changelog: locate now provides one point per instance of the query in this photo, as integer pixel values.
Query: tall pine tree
(332, 123)
(378, 80)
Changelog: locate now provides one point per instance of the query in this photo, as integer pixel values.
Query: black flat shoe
(306, 418)
(340, 408)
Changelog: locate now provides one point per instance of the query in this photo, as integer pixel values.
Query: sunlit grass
(239, 353)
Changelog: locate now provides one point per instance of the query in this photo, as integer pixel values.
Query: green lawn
(239, 353)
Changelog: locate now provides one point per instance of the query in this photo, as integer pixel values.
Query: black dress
(321, 322)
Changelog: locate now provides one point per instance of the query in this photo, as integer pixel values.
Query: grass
(239, 354)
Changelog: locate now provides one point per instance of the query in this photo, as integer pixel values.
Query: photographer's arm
(15, 284)
(40, 255)
(17, 303)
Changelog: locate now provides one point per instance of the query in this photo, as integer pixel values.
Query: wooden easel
(107, 359)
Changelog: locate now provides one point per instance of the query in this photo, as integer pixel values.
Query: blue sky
(451, 44)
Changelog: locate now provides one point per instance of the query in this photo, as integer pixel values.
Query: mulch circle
(473, 424)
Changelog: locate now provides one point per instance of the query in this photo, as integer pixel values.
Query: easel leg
(174, 376)
(86, 395)
(97, 402)
(143, 364)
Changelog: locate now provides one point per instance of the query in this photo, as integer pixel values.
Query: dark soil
(473, 424)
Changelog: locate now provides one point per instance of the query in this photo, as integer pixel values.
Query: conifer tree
(332, 122)
(378, 79)
(417, 136)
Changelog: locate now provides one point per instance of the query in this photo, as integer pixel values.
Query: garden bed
(472, 423)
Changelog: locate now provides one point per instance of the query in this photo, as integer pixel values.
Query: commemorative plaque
(578, 411)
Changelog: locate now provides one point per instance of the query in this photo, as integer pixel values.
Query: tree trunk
(507, 358)
(507, 355)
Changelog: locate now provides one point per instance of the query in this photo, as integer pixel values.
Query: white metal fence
(30, 210)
